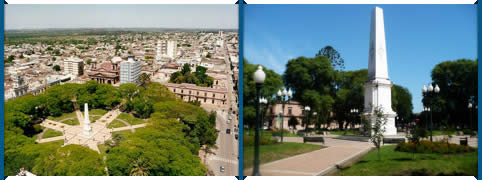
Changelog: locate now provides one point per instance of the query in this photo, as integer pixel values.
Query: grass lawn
(99, 112)
(274, 152)
(401, 163)
(63, 116)
(51, 133)
(124, 132)
(130, 119)
(94, 118)
(72, 122)
(116, 124)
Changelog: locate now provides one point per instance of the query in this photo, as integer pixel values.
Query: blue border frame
(2, 22)
(240, 85)
(479, 50)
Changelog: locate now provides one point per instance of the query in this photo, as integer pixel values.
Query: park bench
(393, 140)
(313, 139)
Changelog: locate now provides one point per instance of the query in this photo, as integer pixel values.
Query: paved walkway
(315, 162)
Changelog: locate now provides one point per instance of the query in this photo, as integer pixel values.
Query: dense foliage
(199, 77)
(458, 86)
(271, 85)
(168, 145)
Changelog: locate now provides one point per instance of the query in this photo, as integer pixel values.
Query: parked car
(228, 131)
(221, 168)
(236, 136)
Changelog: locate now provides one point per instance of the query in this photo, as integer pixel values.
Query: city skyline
(18, 17)
(416, 41)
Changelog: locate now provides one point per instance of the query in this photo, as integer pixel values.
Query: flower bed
(433, 147)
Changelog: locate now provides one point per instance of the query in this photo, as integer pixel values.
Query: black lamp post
(431, 91)
(307, 113)
(259, 77)
(282, 96)
(263, 102)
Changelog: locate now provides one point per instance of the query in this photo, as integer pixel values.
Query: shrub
(264, 140)
(439, 147)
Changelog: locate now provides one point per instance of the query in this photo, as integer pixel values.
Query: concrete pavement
(316, 162)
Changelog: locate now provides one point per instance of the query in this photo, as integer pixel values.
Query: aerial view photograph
(121, 90)
(377, 90)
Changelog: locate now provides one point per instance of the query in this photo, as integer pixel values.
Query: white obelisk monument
(378, 93)
(87, 128)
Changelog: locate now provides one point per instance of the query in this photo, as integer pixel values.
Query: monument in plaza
(87, 128)
(378, 93)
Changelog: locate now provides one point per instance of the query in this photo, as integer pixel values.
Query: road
(227, 152)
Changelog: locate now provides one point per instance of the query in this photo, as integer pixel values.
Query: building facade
(74, 66)
(206, 96)
(106, 73)
(130, 71)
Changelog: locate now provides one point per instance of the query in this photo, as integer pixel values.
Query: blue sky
(418, 37)
(121, 16)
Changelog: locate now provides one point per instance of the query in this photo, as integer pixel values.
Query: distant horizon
(103, 28)
(120, 16)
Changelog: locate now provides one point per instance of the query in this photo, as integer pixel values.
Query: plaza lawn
(96, 114)
(51, 133)
(72, 122)
(116, 124)
(275, 152)
(63, 116)
(401, 163)
(130, 119)
(123, 133)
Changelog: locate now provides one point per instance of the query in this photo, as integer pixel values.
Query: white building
(130, 71)
(74, 66)
(166, 49)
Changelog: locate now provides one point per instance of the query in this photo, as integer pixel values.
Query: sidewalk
(313, 163)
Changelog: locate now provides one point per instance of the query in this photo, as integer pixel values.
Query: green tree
(70, 160)
(378, 129)
(402, 103)
(337, 62)
(271, 85)
(311, 80)
(144, 79)
(458, 86)
(56, 68)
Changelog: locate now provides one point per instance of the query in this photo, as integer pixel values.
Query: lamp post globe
(259, 77)
(279, 93)
(437, 89)
(430, 88)
(285, 93)
(470, 105)
(290, 93)
(424, 89)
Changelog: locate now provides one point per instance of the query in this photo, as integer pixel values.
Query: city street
(227, 152)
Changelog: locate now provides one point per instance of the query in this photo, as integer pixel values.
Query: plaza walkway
(314, 163)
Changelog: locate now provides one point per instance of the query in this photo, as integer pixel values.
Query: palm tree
(138, 169)
(144, 80)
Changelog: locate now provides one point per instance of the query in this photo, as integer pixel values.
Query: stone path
(315, 162)
(99, 134)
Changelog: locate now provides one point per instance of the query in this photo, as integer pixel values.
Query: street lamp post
(470, 115)
(259, 77)
(263, 101)
(307, 112)
(431, 91)
(354, 113)
(282, 94)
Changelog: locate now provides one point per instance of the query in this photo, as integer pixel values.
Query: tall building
(74, 66)
(166, 48)
(171, 49)
(130, 71)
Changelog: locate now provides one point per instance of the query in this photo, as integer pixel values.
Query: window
(205, 94)
(198, 93)
(214, 95)
(182, 91)
(204, 100)
(213, 101)
(174, 89)
(289, 111)
(189, 92)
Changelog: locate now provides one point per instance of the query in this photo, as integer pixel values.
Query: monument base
(390, 129)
